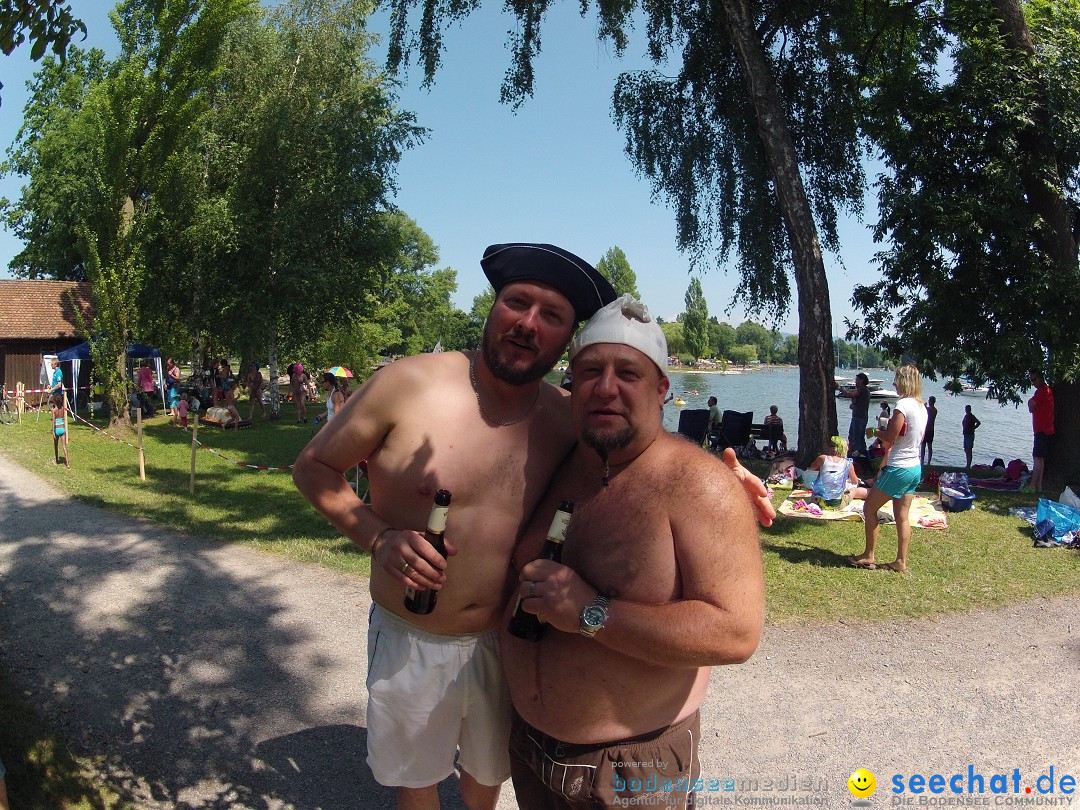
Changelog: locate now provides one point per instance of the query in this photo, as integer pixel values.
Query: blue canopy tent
(76, 354)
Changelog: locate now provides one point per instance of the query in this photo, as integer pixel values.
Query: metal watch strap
(601, 602)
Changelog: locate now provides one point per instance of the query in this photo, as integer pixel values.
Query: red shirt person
(1041, 406)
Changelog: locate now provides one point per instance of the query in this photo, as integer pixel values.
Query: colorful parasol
(340, 371)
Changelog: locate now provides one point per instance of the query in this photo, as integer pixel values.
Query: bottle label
(558, 526)
(437, 519)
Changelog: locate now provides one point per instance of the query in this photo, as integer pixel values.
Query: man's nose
(606, 383)
(529, 319)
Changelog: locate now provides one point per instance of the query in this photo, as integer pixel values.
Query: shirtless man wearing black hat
(435, 685)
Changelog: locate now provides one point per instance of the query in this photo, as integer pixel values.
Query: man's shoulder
(555, 398)
(421, 375)
(681, 462)
(438, 363)
(693, 476)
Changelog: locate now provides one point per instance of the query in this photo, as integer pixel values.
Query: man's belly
(471, 601)
(580, 695)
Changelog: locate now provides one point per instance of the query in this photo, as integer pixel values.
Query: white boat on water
(848, 384)
(884, 393)
(968, 389)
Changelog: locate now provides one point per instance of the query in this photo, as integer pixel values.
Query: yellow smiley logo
(861, 783)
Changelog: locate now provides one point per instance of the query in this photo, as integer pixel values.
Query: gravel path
(214, 676)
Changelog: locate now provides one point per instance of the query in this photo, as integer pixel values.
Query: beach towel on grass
(925, 513)
(995, 483)
(1012, 480)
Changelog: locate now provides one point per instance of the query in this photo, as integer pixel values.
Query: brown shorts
(552, 775)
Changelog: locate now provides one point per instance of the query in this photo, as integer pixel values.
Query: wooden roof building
(38, 318)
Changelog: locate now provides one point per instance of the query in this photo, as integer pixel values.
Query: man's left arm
(719, 617)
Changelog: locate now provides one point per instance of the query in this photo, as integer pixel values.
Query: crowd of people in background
(217, 386)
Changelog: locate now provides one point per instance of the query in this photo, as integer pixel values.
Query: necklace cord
(480, 402)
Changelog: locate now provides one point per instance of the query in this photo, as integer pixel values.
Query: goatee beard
(603, 442)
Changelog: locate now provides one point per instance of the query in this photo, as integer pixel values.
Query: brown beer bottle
(424, 601)
(528, 625)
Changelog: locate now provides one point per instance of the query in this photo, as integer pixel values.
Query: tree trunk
(1043, 188)
(1063, 463)
(272, 372)
(817, 405)
(116, 392)
(1042, 177)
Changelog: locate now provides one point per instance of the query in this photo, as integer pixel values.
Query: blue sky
(554, 171)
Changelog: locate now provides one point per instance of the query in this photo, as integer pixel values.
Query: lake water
(1005, 432)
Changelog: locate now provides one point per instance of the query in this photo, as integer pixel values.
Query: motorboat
(965, 387)
(847, 384)
(972, 390)
(883, 393)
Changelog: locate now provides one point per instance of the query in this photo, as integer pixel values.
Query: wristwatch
(593, 616)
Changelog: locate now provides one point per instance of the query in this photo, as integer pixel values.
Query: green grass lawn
(984, 559)
(231, 502)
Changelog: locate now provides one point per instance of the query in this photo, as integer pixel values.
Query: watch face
(594, 616)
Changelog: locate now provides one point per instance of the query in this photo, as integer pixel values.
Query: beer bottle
(424, 601)
(528, 625)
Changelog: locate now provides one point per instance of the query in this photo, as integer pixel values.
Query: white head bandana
(625, 320)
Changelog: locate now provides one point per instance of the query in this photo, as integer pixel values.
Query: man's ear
(662, 387)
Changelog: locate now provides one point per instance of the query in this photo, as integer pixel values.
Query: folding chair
(694, 424)
(735, 430)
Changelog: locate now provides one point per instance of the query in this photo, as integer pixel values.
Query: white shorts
(429, 696)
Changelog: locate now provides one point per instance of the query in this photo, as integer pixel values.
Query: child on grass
(59, 414)
(182, 411)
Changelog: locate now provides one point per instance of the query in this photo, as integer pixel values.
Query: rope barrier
(258, 467)
(78, 418)
(12, 394)
(199, 444)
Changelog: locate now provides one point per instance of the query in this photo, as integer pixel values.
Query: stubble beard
(514, 375)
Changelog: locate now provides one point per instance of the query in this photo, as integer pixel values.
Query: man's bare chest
(620, 540)
(477, 464)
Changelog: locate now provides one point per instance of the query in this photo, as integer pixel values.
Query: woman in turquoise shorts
(902, 472)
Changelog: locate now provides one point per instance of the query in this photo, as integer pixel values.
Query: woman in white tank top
(334, 398)
(897, 480)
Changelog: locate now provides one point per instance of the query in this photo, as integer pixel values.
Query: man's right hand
(408, 557)
(555, 592)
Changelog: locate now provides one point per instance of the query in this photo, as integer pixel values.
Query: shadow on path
(193, 668)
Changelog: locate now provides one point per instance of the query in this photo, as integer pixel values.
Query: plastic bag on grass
(1065, 518)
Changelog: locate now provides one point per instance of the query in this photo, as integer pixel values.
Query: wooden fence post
(142, 458)
(20, 399)
(194, 449)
